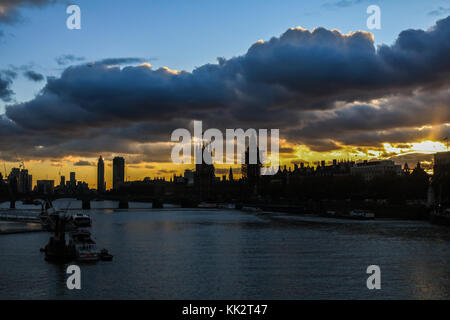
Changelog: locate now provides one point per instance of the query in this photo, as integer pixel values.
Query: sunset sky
(139, 69)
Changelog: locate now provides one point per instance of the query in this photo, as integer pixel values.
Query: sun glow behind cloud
(425, 147)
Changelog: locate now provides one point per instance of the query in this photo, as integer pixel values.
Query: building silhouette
(189, 177)
(101, 175)
(372, 169)
(251, 169)
(73, 180)
(20, 181)
(204, 176)
(441, 176)
(442, 163)
(45, 186)
(118, 172)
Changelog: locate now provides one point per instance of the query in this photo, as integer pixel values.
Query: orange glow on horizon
(86, 168)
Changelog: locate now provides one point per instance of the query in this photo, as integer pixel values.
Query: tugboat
(57, 249)
(81, 220)
(80, 247)
(105, 255)
(85, 247)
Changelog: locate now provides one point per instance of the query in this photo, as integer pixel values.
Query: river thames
(175, 253)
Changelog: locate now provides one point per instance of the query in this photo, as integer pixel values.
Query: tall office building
(73, 180)
(20, 181)
(25, 181)
(62, 181)
(118, 172)
(101, 175)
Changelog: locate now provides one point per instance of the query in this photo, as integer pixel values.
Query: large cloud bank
(321, 88)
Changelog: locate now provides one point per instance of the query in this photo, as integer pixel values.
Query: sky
(138, 69)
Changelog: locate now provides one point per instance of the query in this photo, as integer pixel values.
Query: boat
(57, 250)
(80, 246)
(440, 215)
(85, 248)
(329, 214)
(105, 255)
(359, 215)
(206, 205)
(353, 215)
(226, 206)
(81, 220)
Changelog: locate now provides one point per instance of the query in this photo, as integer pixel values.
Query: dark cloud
(321, 88)
(9, 8)
(9, 73)
(133, 166)
(165, 171)
(395, 119)
(66, 59)
(5, 91)
(83, 163)
(286, 150)
(150, 153)
(6, 79)
(121, 61)
(33, 76)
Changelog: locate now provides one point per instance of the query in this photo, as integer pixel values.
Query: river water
(175, 253)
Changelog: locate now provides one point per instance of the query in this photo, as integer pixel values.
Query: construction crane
(21, 163)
